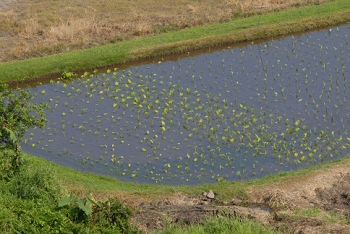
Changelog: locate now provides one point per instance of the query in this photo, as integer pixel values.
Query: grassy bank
(105, 186)
(38, 189)
(31, 202)
(251, 28)
(30, 28)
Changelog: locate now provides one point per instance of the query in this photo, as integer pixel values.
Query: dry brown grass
(30, 28)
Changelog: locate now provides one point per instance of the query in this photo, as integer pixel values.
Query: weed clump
(32, 201)
(37, 184)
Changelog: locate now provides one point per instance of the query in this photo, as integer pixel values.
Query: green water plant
(169, 121)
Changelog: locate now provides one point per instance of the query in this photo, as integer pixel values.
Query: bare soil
(286, 206)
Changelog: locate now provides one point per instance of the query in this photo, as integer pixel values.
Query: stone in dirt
(236, 202)
(211, 194)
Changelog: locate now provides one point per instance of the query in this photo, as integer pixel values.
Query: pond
(237, 113)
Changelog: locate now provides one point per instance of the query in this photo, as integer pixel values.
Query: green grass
(273, 24)
(29, 204)
(90, 182)
(221, 225)
(224, 191)
(28, 200)
(296, 174)
(329, 216)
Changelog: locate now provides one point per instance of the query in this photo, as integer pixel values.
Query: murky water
(232, 114)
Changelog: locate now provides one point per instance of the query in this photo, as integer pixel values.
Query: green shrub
(110, 216)
(32, 216)
(8, 168)
(114, 214)
(29, 198)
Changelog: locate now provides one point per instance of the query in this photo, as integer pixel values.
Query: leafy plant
(17, 115)
(115, 213)
(68, 75)
(80, 209)
(7, 170)
(110, 214)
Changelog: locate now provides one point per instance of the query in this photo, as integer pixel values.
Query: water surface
(237, 113)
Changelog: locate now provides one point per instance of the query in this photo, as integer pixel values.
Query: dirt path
(317, 202)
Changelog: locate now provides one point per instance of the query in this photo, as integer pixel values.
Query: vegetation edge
(247, 29)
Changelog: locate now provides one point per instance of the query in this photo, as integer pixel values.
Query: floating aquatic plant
(208, 118)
